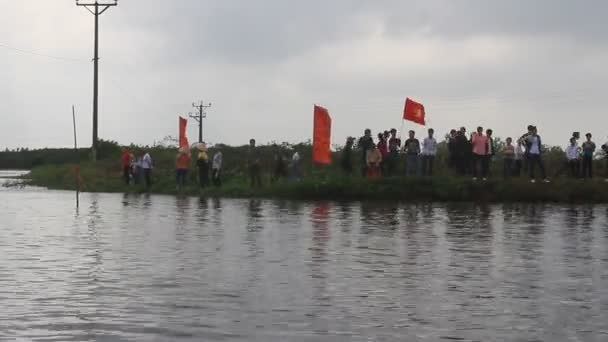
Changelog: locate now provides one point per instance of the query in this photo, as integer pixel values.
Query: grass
(105, 178)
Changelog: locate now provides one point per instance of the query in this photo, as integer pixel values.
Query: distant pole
(76, 168)
(201, 108)
(94, 9)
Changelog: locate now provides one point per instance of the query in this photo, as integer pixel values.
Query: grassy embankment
(325, 186)
(318, 183)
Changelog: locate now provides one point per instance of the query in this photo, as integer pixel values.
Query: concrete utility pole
(94, 8)
(201, 107)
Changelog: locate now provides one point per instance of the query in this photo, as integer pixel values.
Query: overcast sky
(263, 64)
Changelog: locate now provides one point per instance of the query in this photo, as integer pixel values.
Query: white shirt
(146, 161)
(429, 146)
(296, 157)
(519, 152)
(217, 161)
(572, 152)
(534, 147)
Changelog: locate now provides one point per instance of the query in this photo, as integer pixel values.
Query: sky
(264, 64)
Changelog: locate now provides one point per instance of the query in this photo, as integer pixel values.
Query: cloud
(264, 64)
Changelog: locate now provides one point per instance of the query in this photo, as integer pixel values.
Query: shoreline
(401, 189)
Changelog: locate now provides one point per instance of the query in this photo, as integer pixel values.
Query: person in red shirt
(182, 164)
(126, 166)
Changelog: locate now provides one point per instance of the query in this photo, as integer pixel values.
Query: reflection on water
(158, 268)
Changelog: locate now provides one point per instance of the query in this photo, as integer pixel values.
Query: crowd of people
(468, 155)
(138, 169)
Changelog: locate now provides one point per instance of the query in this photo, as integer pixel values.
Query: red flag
(183, 140)
(414, 111)
(321, 137)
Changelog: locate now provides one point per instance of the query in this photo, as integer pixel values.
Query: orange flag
(321, 138)
(183, 140)
(414, 112)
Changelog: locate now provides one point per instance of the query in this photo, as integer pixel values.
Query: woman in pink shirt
(479, 142)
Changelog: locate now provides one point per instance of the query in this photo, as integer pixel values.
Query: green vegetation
(322, 182)
(324, 186)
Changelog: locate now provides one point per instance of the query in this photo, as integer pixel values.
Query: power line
(34, 53)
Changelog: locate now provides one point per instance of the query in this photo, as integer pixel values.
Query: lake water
(160, 268)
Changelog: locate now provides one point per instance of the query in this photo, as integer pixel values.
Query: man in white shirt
(573, 154)
(429, 150)
(534, 149)
(146, 165)
(216, 168)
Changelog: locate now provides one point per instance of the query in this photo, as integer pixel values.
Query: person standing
(508, 155)
(216, 168)
(147, 165)
(280, 165)
(534, 148)
(524, 142)
(412, 152)
(518, 162)
(452, 150)
(365, 144)
(347, 157)
(254, 164)
(296, 173)
(588, 152)
(429, 150)
(491, 152)
(462, 148)
(182, 164)
(126, 166)
(480, 152)
(573, 158)
(383, 148)
(374, 160)
(202, 162)
(468, 159)
(394, 145)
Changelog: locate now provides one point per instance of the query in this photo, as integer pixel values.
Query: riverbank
(324, 187)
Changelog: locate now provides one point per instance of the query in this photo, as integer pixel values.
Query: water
(159, 268)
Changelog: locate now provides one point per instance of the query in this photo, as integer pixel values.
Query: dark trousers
(533, 161)
(460, 163)
(216, 177)
(254, 175)
(391, 164)
(147, 177)
(587, 167)
(485, 165)
(574, 168)
(427, 165)
(126, 174)
(180, 177)
(364, 165)
(479, 165)
(507, 167)
(203, 174)
(411, 166)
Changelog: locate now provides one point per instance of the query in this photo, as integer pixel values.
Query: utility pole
(199, 116)
(94, 8)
